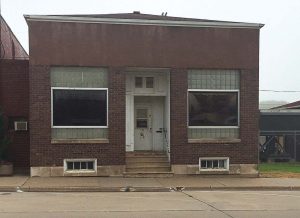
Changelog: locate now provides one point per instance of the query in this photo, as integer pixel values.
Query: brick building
(14, 94)
(142, 95)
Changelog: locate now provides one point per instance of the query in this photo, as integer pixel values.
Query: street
(152, 204)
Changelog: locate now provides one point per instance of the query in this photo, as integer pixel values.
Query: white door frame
(130, 94)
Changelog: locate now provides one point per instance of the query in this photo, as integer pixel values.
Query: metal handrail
(166, 139)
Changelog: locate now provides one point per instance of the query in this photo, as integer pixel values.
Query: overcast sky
(280, 37)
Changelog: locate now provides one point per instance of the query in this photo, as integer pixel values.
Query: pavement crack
(221, 183)
(210, 205)
(21, 186)
(159, 182)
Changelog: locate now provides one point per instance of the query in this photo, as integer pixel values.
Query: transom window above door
(149, 82)
(138, 82)
(144, 82)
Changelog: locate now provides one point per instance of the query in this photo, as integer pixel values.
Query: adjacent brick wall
(245, 152)
(14, 101)
(43, 153)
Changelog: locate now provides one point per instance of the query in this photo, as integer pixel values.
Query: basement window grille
(80, 165)
(213, 163)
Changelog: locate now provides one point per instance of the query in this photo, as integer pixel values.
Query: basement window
(214, 163)
(80, 165)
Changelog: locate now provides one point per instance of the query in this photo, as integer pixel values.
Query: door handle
(160, 130)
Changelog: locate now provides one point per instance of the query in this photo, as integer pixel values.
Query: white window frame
(78, 127)
(212, 159)
(213, 90)
(80, 170)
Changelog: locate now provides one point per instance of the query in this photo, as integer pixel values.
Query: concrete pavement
(152, 204)
(112, 184)
(11, 183)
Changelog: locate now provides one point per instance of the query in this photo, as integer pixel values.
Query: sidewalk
(115, 184)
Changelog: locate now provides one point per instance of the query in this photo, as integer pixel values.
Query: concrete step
(148, 169)
(148, 174)
(147, 164)
(146, 159)
(147, 156)
(145, 153)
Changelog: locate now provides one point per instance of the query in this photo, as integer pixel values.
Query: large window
(213, 104)
(79, 107)
(213, 108)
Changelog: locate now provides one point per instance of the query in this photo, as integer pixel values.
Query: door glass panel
(141, 123)
(141, 118)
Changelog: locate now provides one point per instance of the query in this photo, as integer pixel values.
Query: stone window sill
(214, 172)
(214, 141)
(79, 141)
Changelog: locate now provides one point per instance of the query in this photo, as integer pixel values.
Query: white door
(149, 124)
(143, 136)
(158, 123)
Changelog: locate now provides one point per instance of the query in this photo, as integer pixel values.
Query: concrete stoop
(147, 164)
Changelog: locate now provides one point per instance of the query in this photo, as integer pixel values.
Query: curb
(145, 189)
(94, 189)
(245, 188)
(8, 189)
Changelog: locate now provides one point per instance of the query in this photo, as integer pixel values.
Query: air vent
(20, 126)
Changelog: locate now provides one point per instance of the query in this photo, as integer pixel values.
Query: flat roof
(142, 19)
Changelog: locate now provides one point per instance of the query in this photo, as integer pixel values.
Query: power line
(270, 90)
